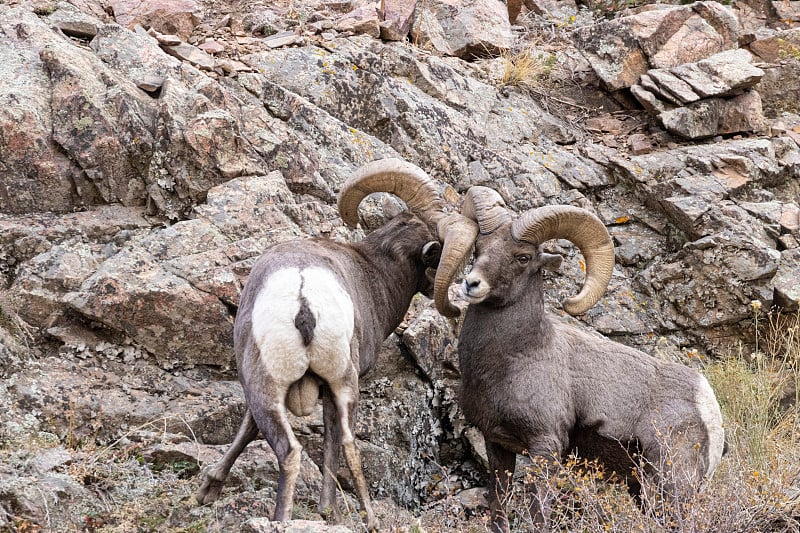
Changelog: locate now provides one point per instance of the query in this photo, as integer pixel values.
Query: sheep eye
(523, 259)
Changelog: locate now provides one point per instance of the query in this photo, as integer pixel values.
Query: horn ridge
(587, 232)
(422, 197)
(395, 176)
(487, 207)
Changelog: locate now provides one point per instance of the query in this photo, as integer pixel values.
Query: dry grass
(529, 68)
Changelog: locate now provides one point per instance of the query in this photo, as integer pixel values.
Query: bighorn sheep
(534, 384)
(313, 314)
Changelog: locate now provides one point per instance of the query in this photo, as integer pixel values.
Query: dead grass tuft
(529, 68)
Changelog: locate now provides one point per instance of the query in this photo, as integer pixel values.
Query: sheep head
(419, 192)
(510, 243)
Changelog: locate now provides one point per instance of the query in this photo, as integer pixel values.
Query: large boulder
(657, 36)
(727, 254)
(463, 28)
(177, 17)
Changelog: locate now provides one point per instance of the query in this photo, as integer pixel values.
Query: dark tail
(305, 322)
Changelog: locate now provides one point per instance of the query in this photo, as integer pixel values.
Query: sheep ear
(551, 262)
(431, 253)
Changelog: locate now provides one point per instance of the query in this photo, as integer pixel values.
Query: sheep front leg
(502, 464)
(545, 448)
(332, 440)
(212, 479)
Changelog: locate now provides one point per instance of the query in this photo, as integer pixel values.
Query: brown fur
(381, 274)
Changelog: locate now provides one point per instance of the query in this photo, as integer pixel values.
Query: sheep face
(430, 255)
(504, 269)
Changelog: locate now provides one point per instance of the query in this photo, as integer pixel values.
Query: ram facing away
(534, 384)
(313, 314)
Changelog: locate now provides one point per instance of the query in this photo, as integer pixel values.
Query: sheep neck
(391, 290)
(390, 276)
(502, 321)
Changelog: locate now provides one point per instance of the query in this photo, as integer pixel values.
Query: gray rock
(473, 499)
(51, 458)
(42, 282)
(82, 402)
(192, 54)
(621, 312)
(721, 74)
(773, 46)
(778, 87)
(132, 293)
(636, 244)
(790, 218)
(686, 211)
(166, 39)
(786, 282)
(134, 55)
(282, 39)
(715, 116)
(29, 164)
(679, 91)
(649, 100)
(623, 49)
(165, 16)
(787, 12)
(264, 525)
(398, 17)
(362, 20)
(73, 22)
(467, 29)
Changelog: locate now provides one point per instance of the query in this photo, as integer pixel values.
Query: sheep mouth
(473, 295)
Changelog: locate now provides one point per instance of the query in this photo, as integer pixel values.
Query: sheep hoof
(210, 488)
(332, 514)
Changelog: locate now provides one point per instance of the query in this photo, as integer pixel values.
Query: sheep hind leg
(213, 479)
(345, 396)
(328, 506)
(502, 464)
(273, 421)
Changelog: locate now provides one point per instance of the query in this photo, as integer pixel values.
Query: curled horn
(420, 194)
(487, 207)
(587, 232)
(395, 176)
(484, 206)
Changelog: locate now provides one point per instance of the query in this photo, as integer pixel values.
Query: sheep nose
(470, 284)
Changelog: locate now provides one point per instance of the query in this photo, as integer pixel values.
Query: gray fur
(532, 383)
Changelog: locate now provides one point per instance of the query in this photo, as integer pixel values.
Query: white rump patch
(280, 343)
(712, 418)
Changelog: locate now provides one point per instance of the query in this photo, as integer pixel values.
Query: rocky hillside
(150, 150)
